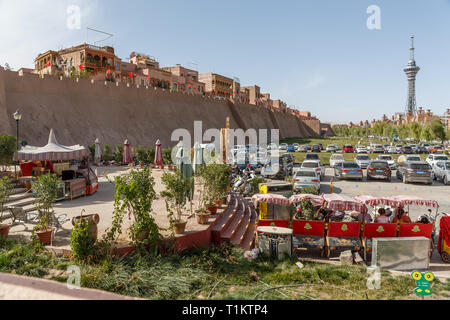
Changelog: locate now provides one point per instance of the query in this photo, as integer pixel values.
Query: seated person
(382, 218)
(401, 217)
(49, 166)
(367, 217)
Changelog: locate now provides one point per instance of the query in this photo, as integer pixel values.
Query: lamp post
(17, 116)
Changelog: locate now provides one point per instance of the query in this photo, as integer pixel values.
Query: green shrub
(167, 156)
(80, 242)
(5, 191)
(150, 156)
(118, 153)
(8, 145)
(107, 152)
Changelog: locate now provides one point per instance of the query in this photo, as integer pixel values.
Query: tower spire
(412, 49)
(411, 71)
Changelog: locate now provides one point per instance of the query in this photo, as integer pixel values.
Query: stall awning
(413, 200)
(315, 199)
(375, 201)
(51, 152)
(343, 203)
(270, 198)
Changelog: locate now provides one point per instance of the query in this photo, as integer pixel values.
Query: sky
(316, 55)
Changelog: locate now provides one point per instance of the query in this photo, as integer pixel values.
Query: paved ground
(102, 203)
(437, 191)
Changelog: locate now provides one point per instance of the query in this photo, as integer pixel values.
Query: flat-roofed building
(217, 84)
(185, 80)
(254, 94)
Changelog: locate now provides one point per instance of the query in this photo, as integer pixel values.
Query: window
(305, 174)
(351, 165)
(310, 165)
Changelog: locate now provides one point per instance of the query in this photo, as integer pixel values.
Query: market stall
(77, 179)
(274, 209)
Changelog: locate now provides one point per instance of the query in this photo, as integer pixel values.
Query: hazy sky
(317, 55)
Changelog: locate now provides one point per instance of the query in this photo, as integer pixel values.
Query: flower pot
(93, 220)
(152, 165)
(4, 230)
(162, 166)
(180, 227)
(142, 164)
(219, 203)
(45, 237)
(203, 218)
(212, 209)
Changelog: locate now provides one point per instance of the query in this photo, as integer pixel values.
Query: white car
(441, 171)
(331, 148)
(362, 160)
(306, 178)
(314, 166)
(335, 159)
(361, 149)
(283, 146)
(389, 159)
(391, 149)
(296, 146)
(433, 158)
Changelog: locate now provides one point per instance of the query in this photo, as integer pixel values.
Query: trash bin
(275, 242)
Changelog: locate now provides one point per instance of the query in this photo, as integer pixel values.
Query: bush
(118, 153)
(5, 191)
(107, 153)
(8, 145)
(175, 194)
(45, 191)
(150, 156)
(309, 190)
(141, 154)
(167, 156)
(80, 242)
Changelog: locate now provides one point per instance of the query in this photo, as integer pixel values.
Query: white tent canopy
(51, 152)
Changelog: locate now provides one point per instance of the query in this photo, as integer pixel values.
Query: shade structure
(376, 201)
(343, 203)
(198, 157)
(270, 198)
(53, 151)
(98, 152)
(127, 157)
(158, 154)
(315, 199)
(413, 200)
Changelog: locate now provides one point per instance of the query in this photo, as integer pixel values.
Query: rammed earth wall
(82, 111)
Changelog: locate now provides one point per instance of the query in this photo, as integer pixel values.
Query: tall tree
(415, 130)
(438, 130)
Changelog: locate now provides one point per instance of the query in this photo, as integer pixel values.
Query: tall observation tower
(411, 71)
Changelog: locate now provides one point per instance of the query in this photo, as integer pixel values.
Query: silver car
(362, 160)
(336, 158)
(306, 178)
(314, 166)
(441, 171)
(348, 170)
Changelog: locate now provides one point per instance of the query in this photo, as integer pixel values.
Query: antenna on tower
(412, 48)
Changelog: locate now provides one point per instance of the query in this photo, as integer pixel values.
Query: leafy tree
(141, 154)
(107, 152)
(45, 191)
(92, 150)
(8, 145)
(118, 153)
(415, 130)
(438, 130)
(167, 156)
(426, 133)
(150, 156)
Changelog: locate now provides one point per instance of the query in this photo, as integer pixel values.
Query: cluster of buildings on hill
(101, 63)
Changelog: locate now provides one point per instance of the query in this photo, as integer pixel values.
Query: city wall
(82, 111)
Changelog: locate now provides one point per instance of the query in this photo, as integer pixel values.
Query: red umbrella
(127, 158)
(158, 154)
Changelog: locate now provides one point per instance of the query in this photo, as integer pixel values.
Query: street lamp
(17, 116)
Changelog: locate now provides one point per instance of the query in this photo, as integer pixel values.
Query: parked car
(377, 148)
(283, 147)
(312, 157)
(399, 148)
(421, 149)
(336, 158)
(432, 158)
(296, 146)
(316, 148)
(437, 149)
(302, 149)
(415, 171)
(308, 147)
(361, 149)
(362, 160)
(285, 167)
(391, 149)
(290, 148)
(379, 169)
(413, 147)
(331, 148)
(306, 178)
(314, 166)
(348, 170)
(348, 148)
(390, 160)
(321, 146)
(441, 171)
(407, 150)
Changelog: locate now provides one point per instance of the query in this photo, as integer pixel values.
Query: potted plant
(5, 191)
(134, 197)
(45, 191)
(92, 220)
(175, 194)
(202, 215)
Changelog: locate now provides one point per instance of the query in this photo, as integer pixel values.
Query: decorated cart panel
(415, 230)
(308, 234)
(344, 235)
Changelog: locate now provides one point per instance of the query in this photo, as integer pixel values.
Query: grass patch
(193, 275)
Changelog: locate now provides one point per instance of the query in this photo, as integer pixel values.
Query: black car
(421, 149)
(407, 150)
(316, 148)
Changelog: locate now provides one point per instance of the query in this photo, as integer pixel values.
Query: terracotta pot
(180, 227)
(142, 164)
(152, 166)
(203, 218)
(4, 230)
(212, 209)
(93, 220)
(218, 203)
(162, 166)
(45, 237)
